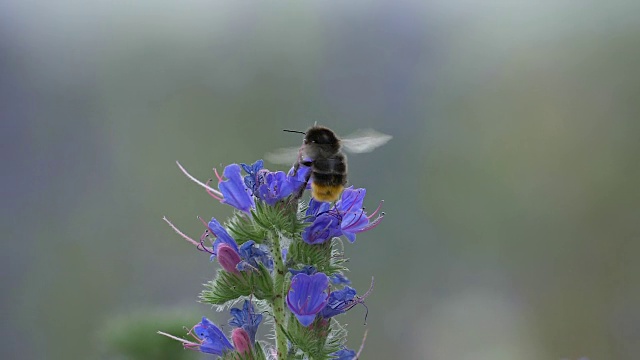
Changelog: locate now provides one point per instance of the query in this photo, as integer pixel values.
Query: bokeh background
(510, 187)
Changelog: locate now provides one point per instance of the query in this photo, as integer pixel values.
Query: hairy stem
(278, 299)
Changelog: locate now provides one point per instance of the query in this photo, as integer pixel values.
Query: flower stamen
(192, 178)
(377, 209)
(180, 232)
(211, 193)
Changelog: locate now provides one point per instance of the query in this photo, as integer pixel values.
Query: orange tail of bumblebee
(326, 193)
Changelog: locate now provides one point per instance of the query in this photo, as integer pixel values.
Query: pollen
(326, 193)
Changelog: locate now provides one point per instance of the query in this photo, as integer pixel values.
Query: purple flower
(228, 258)
(344, 354)
(323, 228)
(222, 236)
(254, 254)
(339, 302)
(354, 218)
(307, 296)
(212, 340)
(338, 279)
(317, 207)
(241, 341)
(251, 180)
(234, 191)
(351, 200)
(300, 177)
(246, 319)
(250, 252)
(276, 186)
(346, 218)
(308, 269)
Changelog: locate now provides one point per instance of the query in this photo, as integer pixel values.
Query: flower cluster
(280, 255)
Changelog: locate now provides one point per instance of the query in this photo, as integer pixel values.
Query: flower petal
(234, 190)
(222, 236)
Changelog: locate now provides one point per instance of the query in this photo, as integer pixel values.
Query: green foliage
(280, 227)
(244, 229)
(256, 354)
(324, 257)
(228, 287)
(318, 341)
(281, 218)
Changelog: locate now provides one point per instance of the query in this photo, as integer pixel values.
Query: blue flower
(339, 302)
(338, 279)
(246, 319)
(234, 190)
(354, 219)
(300, 177)
(324, 227)
(253, 170)
(346, 218)
(344, 354)
(252, 254)
(212, 339)
(222, 236)
(309, 270)
(307, 296)
(316, 208)
(276, 186)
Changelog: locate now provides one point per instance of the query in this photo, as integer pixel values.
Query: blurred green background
(510, 187)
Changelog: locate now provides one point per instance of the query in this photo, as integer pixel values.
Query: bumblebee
(321, 150)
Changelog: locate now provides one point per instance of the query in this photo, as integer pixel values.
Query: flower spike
(284, 256)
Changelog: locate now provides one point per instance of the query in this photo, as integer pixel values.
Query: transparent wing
(284, 156)
(364, 140)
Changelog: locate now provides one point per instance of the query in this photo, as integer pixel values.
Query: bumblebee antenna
(294, 131)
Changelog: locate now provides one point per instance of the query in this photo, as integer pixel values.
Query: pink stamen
(217, 175)
(204, 236)
(377, 209)
(186, 343)
(374, 223)
(218, 193)
(364, 338)
(180, 232)
(370, 289)
(211, 193)
(190, 332)
(360, 299)
(206, 225)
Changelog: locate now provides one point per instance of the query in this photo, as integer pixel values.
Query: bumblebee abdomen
(333, 165)
(329, 179)
(326, 193)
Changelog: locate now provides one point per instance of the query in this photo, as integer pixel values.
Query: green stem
(278, 299)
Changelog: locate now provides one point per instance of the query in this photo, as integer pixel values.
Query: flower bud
(241, 340)
(228, 258)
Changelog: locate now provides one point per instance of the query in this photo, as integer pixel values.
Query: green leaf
(228, 287)
(281, 218)
(318, 340)
(324, 257)
(225, 287)
(243, 229)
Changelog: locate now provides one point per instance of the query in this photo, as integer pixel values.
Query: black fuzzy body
(321, 152)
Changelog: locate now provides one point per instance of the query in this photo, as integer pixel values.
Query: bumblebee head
(321, 136)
